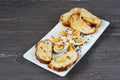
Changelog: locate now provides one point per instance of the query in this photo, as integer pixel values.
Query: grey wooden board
(23, 23)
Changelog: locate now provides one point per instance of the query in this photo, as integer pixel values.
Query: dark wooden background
(24, 22)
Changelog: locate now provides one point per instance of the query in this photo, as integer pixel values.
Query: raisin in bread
(44, 51)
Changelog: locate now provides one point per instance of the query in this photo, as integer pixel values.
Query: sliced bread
(64, 18)
(78, 24)
(85, 21)
(89, 18)
(63, 62)
(44, 51)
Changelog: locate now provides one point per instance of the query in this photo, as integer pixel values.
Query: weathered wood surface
(23, 23)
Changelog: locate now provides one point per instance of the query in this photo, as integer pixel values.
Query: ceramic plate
(30, 54)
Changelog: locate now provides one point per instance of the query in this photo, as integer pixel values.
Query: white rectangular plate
(30, 54)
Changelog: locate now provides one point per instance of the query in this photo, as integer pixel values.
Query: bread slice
(44, 51)
(88, 21)
(63, 62)
(89, 18)
(78, 24)
(64, 18)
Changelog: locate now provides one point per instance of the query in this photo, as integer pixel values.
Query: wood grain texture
(23, 23)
